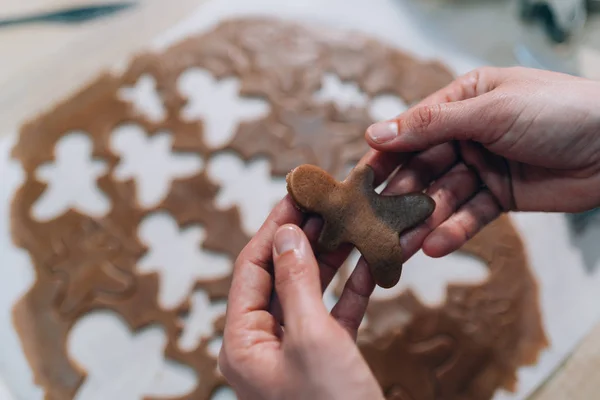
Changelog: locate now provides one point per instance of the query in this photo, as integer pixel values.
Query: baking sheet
(569, 291)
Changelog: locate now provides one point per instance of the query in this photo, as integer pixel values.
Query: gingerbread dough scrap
(355, 213)
(472, 344)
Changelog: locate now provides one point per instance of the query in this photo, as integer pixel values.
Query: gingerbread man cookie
(354, 213)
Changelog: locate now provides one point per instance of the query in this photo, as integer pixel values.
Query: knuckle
(474, 75)
(446, 195)
(466, 228)
(426, 116)
(486, 210)
(482, 77)
(479, 81)
(484, 72)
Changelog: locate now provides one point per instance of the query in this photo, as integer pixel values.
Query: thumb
(425, 126)
(297, 281)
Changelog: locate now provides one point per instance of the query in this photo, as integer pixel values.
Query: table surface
(74, 55)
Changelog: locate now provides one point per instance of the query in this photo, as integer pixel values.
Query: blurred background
(71, 40)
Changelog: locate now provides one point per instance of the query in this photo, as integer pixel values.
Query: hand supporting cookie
(354, 213)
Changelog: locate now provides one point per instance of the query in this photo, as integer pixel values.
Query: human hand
(494, 140)
(314, 356)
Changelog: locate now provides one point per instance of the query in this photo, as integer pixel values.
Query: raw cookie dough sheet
(124, 362)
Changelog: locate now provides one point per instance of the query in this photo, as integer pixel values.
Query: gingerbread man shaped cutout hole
(71, 180)
(177, 255)
(354, 213)
(145, 99)
(151, 162)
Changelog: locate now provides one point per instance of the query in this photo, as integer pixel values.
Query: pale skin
(492, 141)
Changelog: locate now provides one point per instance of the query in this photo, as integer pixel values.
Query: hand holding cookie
(494, 140)
(315, 356)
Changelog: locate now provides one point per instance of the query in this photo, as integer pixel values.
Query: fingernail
(286, 239)
(383, 132)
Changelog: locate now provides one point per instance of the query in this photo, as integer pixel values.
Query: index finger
(251, 284)
(472, 84)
